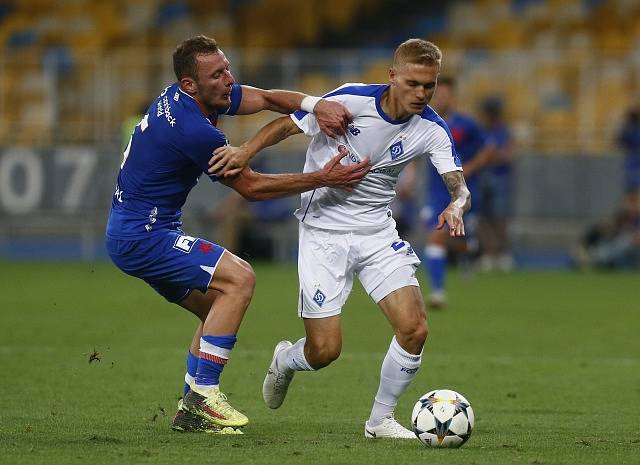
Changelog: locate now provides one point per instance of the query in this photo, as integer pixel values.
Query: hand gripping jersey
(168, 151)
(388, 144)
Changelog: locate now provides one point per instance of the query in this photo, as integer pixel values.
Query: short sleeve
(236, 98)
(307, 122)
(441, 150)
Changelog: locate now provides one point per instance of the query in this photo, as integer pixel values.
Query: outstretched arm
(459, 205)
(333, 118)
(230, 161)
(256, 186)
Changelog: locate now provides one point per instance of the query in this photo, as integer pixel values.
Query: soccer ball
(442, 418)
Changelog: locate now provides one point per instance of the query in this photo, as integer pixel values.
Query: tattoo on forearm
(460, 195)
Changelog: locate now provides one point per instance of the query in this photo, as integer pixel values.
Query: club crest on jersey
(319, 298)
(396, 150)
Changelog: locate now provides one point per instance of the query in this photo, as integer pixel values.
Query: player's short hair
(417, 51)
(185, 63)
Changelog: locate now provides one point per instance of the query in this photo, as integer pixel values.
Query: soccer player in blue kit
(475, 152)
(168, 151)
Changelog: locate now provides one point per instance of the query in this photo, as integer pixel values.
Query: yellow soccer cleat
(186, 422)
(211, 405)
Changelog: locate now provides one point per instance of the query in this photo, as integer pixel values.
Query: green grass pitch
(549, 361)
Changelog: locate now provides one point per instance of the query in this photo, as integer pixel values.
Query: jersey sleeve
(236, 98)
(441, 150)
(307, 122)
(201, 145)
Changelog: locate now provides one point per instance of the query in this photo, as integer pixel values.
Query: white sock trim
(209, 348)
(435, 251)
(295, 358)
(403, 357)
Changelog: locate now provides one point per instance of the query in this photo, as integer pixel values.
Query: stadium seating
(541, 55)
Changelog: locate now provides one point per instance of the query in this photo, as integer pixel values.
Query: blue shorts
(171, 262)
(496, 198)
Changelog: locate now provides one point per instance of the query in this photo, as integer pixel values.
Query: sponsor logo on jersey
(163, 107)
(350, 155)
(184, 243)
(319, 298)
(396, 150)
(390, 170)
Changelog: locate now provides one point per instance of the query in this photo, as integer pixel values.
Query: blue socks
(213, 356)
(436, 261)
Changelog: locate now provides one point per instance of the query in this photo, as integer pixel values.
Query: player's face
(213, 81)
(414, 85)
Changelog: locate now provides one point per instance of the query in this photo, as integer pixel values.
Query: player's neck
(391, 106)
(202, 107)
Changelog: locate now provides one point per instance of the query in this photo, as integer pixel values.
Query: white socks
(294, 358)
(399, 367)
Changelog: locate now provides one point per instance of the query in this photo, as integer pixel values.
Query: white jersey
(388, 144)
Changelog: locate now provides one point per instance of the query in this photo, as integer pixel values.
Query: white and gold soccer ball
(442, 418)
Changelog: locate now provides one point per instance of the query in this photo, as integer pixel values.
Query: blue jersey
(168, 152)
(499, 137)
(469, 139)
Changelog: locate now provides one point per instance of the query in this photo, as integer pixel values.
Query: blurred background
(563, 78)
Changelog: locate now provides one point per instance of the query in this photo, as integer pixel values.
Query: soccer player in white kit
(347, 232)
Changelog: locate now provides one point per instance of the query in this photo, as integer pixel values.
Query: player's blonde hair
(417, 51)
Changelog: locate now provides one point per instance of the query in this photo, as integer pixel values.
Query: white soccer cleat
(389, 428)
(276, 383)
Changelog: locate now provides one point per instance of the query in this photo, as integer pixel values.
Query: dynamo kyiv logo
(396, 150)
(319, 298)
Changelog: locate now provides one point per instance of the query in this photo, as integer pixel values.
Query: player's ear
(392, 76)
(188, 84)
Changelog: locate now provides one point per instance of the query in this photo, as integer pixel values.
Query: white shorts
(327, 261)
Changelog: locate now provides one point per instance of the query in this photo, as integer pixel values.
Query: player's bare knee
(244, 283)
(322, 356)
(412, 337)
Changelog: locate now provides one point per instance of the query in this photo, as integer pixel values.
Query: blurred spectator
(629, 140)
(471, 146)
(404, 207)
(614, 243)
(240, 225)
(496, 190)
(129, 124)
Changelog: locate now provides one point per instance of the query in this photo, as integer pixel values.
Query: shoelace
(220, 403)
(397, 427)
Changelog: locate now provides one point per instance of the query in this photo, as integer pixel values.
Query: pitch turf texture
(549, 361)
